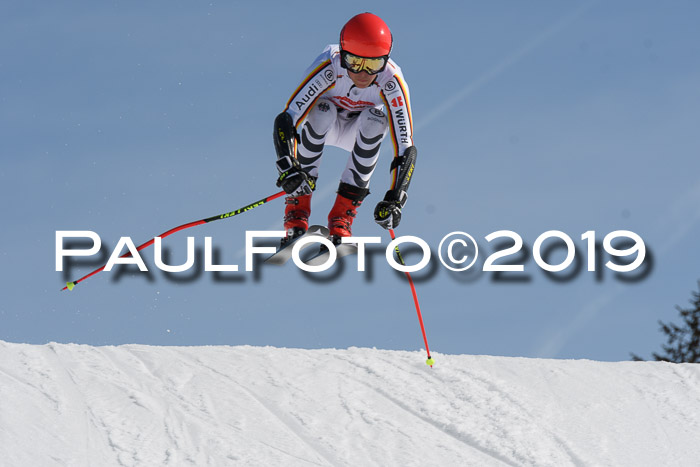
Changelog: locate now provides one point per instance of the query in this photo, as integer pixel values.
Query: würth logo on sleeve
(401, 123)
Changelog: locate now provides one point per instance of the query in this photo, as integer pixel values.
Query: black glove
(388, 212)
(292, 178)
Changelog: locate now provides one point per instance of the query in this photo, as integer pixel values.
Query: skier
(340, 102)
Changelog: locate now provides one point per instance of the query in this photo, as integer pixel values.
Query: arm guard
(284, 136)
(403, 166)
(292, 177)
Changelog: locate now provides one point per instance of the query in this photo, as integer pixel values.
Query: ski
(284, 254)
(344, 249)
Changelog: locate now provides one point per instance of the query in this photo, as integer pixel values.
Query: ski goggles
(356, 64)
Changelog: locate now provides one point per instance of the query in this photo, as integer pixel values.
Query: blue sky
(128, 119)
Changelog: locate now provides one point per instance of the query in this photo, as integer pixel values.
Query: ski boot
(296, 218)
(344, 211)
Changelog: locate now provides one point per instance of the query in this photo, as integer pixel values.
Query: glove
(388, 211)
(292, 179)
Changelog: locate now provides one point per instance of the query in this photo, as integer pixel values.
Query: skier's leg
(371, 128)
(313, 135)
(309, 151)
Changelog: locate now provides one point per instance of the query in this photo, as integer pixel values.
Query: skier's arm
(318, 78)
(397, 101)
(388, 211)
(292, 179)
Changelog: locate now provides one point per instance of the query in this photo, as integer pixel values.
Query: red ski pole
(430, 360)
(225, 215)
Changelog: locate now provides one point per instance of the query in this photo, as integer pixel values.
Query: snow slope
(139, 405)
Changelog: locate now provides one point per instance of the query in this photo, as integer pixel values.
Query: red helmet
(366, 35)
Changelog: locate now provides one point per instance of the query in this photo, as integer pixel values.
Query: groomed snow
(149, 406)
